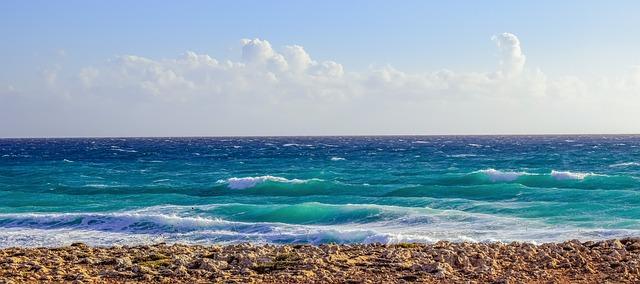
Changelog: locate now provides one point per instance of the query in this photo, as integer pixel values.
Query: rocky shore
(612, 261)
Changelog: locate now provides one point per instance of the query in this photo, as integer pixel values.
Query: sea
(315, 190)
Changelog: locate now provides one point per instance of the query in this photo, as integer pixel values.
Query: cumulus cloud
(292, 73)
(297, 58)
(286, 91)
(511, 58)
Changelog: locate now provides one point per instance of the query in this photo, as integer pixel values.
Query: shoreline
(615, 260)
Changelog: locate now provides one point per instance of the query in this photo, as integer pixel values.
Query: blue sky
(587, 40)
(560, 35)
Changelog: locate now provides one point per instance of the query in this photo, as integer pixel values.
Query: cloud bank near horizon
(286, 91)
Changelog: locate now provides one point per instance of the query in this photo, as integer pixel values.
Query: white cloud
(292, 73)
(511, 58)
(286, 91)
(297, 58)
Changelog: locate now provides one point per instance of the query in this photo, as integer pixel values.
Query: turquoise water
(318, 189)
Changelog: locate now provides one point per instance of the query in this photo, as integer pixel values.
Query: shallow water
(318, 189)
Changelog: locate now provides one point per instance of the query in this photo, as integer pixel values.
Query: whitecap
(497, 175)
(474, 145)
(97, 185)
(337, 159)
(123, 150)
(67, 161)
(296, 145)
(627, 164)
(567, 175)
(248, 182)
(462, 155)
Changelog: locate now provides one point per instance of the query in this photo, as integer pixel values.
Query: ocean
(280, 190)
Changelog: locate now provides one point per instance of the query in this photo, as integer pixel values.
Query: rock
(139, 269)
(615, 256)
(635, 246)
(308, 273)
(209, 264)
(247, 272)
(86, 260)
(180, 260)
(568, 262)
(436, 267)
(616, 244)
(181, 271)
(123, 262)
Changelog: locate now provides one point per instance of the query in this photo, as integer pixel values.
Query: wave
(155, 224)
(496, 175)
(552, 179)
(131, 222)
(499, 175)
(249, 182)
(296, 145)
(118, 149)
(463, 155)
(98, 185)
(627, 164)
(564, 175)
(337, 159)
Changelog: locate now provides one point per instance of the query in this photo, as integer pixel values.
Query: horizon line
(312, 135)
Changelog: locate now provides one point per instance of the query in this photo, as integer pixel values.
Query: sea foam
(627, 164)
(248, 182)
(502, 176)
(567, 175)
(496, 175)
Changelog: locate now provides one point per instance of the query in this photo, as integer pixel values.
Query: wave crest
(565, 175)
(509, 176)
(249, 182)
(627, 164)
(496, 175)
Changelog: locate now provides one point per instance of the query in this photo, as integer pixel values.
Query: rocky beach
(611, 261)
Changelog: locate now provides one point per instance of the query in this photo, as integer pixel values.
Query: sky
(227, 68)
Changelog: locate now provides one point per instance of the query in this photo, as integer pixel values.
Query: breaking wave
(249, 182)
(564, 175)
(496, 175)
(360, 223)
(501, 176)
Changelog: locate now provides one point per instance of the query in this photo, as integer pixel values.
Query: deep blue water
(318, 189)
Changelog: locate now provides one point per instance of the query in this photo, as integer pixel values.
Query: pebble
(610, 261)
